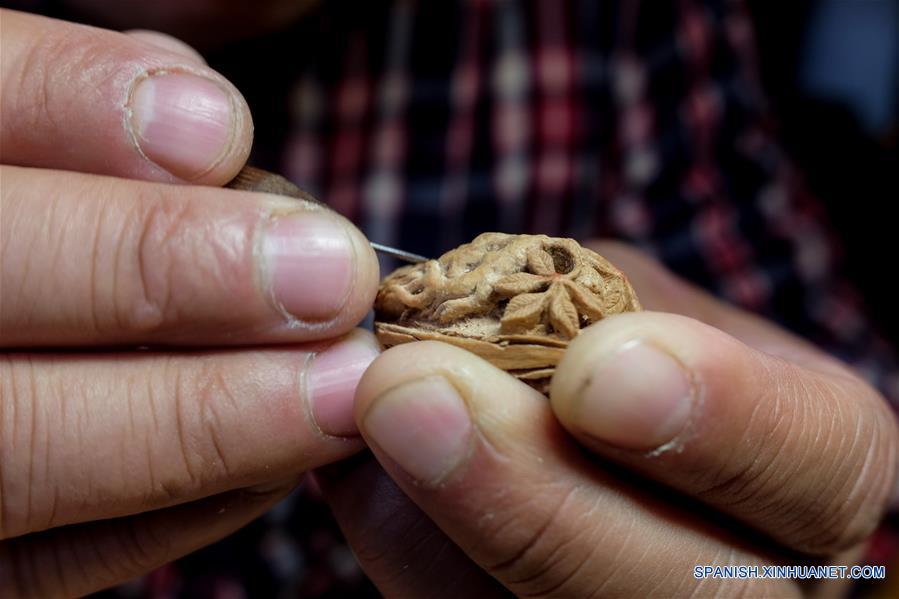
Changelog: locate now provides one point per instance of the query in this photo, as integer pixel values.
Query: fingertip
(366, 273)
(317, 268)
(421, 403)
(332, 377)
(396, 365)
(423, 425)
(761, 431)
(190, 122)
(185, 117)
(629, 380)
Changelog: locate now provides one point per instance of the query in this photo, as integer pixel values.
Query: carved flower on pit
(515, 300)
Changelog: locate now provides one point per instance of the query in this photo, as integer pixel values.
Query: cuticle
(354, 278)
(697, 397)
(697, 400)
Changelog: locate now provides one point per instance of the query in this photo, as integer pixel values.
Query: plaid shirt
(430, 122)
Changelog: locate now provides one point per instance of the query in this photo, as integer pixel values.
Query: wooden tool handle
(251, 178)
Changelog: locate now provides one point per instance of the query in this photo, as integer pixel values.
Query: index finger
(804, 456)
(97, 260)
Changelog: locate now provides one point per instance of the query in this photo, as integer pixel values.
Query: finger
(90, 437)
(482, 455)
(166, 42)
(86, 99)
(400, 549)
(807, 457)
(95, 260)
(77, 560)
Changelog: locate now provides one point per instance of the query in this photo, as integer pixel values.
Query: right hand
(114, 461)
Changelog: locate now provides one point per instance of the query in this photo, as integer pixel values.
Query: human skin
(689, 434)
(174, 354)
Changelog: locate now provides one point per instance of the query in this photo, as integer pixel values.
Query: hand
(751, 448)
(115, 460)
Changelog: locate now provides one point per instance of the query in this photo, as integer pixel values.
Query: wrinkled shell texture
(515, 300)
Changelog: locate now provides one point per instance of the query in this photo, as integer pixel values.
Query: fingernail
(309, 259)
(639, 398)
(332, 380)
(423, 426)
(182, 122)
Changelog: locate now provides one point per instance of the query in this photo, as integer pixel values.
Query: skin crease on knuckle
(198, 458)
(769, 471)
(749, 469)
(562, 568)
(153, 241)
(538, 515)
(792, 417)
(163, 437)
(863, 478)
(170, 254)
(46, 72)
(550, 536)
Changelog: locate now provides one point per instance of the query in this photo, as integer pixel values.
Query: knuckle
(200, 396)
(216, 399)
(776, 477)
(182, 268)
(30, 94)
(857, 500)
(45, 71)
(750, 467)
(547, 546)
(150, 240)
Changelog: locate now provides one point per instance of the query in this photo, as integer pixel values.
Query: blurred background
(831, 70)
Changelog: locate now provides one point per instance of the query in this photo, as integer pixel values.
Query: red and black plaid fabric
(428, 123)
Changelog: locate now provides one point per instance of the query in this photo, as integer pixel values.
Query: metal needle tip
(399, 254)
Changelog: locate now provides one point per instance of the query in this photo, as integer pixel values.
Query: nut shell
(514, 300)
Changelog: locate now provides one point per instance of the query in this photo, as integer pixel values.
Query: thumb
(806, 454)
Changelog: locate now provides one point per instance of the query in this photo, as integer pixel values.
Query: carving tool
(251, 178)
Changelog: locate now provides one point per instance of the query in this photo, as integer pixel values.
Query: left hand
(753, 448)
